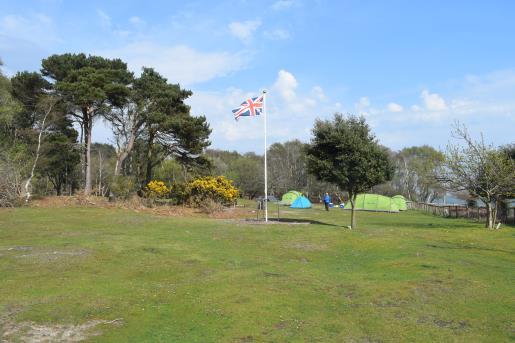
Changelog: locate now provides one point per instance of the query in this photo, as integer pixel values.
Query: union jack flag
(249, 108)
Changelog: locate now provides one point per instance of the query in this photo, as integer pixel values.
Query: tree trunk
(122, 155)
(28, 184)
(120, 158)
(488, 223)
(352, 199)
(494, 214)
(149, 159)
(88, 126)
(99, 172)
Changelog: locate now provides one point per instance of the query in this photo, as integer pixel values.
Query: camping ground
(111, 275)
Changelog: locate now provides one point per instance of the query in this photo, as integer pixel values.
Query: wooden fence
(460, 211)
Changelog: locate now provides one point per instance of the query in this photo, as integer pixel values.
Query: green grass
(400, 277)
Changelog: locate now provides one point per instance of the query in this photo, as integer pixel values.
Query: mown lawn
(113, 275)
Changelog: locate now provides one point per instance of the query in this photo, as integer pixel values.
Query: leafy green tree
(60, 159)
(248, 174)
(344, 152)
(40, 109)
(9, 107)
(170, 130)
(90, 86)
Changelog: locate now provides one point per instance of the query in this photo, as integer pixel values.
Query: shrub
(217, 189)
(123, 186)
(180, 193)
(157, 189)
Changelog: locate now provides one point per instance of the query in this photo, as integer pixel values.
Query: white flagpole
(266, 176)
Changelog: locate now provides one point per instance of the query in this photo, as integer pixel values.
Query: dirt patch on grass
(28, 331)
(307, 246)
(455, 325)
(70, 201)
(36, 254)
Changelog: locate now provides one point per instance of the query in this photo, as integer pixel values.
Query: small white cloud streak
(277, 34)
(282, 5)
(244, 30)
(179, 63)
(105, 19)
(394, 107)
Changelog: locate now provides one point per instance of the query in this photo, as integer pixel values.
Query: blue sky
(411, 68)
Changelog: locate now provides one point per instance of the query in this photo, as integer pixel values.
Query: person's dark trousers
(326, 206)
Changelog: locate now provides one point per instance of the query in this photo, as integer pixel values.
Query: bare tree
(48, 105)
(484, 172)
(126, 124)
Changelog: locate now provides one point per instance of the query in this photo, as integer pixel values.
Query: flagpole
(266, 176)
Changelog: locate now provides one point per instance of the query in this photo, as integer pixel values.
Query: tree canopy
(343, 151)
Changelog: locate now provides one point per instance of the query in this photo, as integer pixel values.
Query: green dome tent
(289, 197)
(301, 202)
(375, 202)
(400, 201)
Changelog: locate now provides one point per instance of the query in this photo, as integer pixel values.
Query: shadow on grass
(302, 221)
(467, 246)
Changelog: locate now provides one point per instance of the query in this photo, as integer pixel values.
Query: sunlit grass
(399, 277)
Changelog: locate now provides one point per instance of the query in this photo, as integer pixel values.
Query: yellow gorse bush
(157, 189)
(216, 188)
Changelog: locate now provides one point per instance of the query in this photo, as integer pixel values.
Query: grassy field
(112, 275)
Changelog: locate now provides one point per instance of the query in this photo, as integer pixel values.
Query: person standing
(327, 201)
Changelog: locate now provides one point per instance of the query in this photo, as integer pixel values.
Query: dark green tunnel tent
(400, 201)
(289, 197)
(375, 202)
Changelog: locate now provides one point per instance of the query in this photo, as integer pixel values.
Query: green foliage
(246, 170)
(14, 167)
(90, 86)
(170, 130)
(9, 108)
(29, 88)
(60, 160)
(180, 193)
(344, 152)
(123, 186)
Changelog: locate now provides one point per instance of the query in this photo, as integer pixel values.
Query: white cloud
(136, 20)
(285, 85)
(37, 28)
(244, 30)
(282, 4)
(318, 93)
(394, 107)
(105, 19)
(179, 63)
(433, 101)
(277, 34)
(363, 102)
(290, 112)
